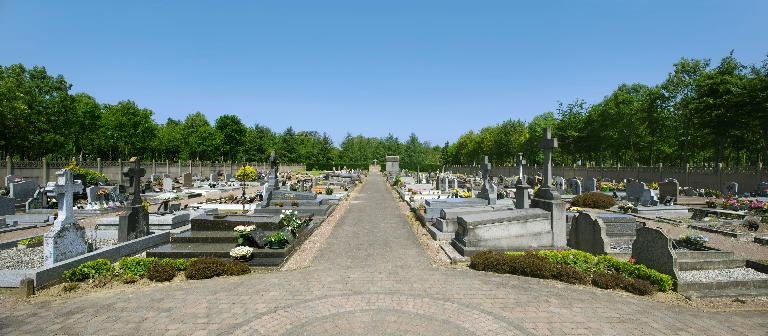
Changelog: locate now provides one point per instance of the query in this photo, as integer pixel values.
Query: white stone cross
(548, 144)
(520, 163)
(486, 172)
(65, 187)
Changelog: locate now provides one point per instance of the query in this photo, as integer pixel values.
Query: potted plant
(290, 218)
(35, 241)
(242, 253)
(422, 209)
(279, 204)
(277, 240)
(329, 191)
(244, 237)
(626, 207)
(295, 204)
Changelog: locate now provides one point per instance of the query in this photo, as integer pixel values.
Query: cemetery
(383, 168)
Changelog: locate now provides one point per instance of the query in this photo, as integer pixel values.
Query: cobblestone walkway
(371, 278)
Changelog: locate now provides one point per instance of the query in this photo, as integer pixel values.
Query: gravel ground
(21, 259)
(742, 273)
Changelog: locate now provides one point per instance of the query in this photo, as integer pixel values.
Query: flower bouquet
(242, 253)
(243, 233)
(695, 241)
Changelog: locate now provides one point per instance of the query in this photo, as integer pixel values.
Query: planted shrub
(639, 287)
(594, 200)
(161, 272)
(572, 275)
(129, 279)
(608, 280)
(662, 281)
(205, 268)
(89, 270)
(532, 265)
(490, 261)
(237, 268)
(135, 266)
(179, 264)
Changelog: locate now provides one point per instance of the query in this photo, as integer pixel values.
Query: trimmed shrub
(237, 268)
(608, 280)
(135, 266)
(129, 279)
(89, 270)
(582, 261)
(572, 275)
(205, 268)
(179, 264)
(532, 265)
(488, 261)
(639, 287)
(662, 281)
(161, 272)
(594, 200)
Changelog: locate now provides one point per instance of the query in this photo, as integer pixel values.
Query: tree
(201, 141)
(126, 130)
(232, 132)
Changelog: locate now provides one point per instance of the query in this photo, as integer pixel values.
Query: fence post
(98, 165)
(8, 166)
(168, 167)
(179, 167)
(719, 175)
(661, 173)
(200, 163)
(45, 171)
(120, 174)
(687, 174)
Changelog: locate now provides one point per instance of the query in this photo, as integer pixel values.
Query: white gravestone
(66, 239)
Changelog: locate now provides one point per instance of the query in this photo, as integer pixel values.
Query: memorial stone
(66, 239)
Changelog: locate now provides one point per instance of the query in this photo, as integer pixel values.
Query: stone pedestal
(550, 201)
(64, 242)
(134, 224)
(522, 199)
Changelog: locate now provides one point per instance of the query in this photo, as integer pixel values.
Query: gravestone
(731, 188)
(11, 179)
(92, 193)
(588, 234)
(762, 189)
(187, 180)
(135, 222)
(22, 191)
(669, 189)
(272, 180)
(444, 187)
(7, 206)
(66, 239)
(548, 199)
(531, 181)
(590, 184)
(392, 164)
(575, 186)
(635, 190)
(522, 199)
(560, 185)
(213, 178)
(167, 184)
(653, 248)
(488, 190)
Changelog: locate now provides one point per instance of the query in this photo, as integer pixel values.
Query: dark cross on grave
(134, 174)
(520, 163)
(486, 170)
(65, 187)
(548, 144)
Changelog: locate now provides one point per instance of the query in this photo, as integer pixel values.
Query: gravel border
(729, 274)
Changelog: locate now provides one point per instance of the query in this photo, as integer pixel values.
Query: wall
(45, 171)
(711, 178)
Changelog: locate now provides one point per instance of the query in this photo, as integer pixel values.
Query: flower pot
(244, 258)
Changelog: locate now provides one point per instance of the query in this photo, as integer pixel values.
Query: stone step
(728, 293)
(711, 264)
(702, 255)
(686, 287)
(262, 257)
(225, 237)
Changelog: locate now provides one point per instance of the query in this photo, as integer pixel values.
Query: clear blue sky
(436, 68)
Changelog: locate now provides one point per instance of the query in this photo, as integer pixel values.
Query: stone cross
(65, 187)
(135, 174)
(520, 163)
(548, 144)
(486, 170)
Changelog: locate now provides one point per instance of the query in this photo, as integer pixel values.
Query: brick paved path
(371, 278)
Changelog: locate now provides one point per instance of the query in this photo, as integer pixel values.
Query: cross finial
(548, 144)
(520, 163)
(486, 169)
(134, 174)
(65, 187)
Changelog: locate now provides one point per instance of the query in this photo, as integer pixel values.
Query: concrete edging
(46, 275)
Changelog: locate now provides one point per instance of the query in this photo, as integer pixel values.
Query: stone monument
(135, 222)
(66, 239)
(488, 191)
(522, 200)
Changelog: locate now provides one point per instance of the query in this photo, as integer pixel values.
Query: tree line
(41, 117)
(702, 113)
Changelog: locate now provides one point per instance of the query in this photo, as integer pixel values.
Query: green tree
(232, 133)
(126, 130)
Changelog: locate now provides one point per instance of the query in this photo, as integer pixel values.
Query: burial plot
(187, 180)
(574, 185)
(590, 184)
(22, 191)
(446, 225)
(731, 188)
(7, 206)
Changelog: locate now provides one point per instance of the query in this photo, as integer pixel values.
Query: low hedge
(161, 272)
(594, 200)
(89, 270)
(574, 267)
(205, 268)
(137, 266)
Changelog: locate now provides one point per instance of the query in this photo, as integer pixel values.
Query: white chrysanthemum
(241, 251)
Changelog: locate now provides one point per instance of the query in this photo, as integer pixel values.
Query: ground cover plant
(594, 200)
(575, 267)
